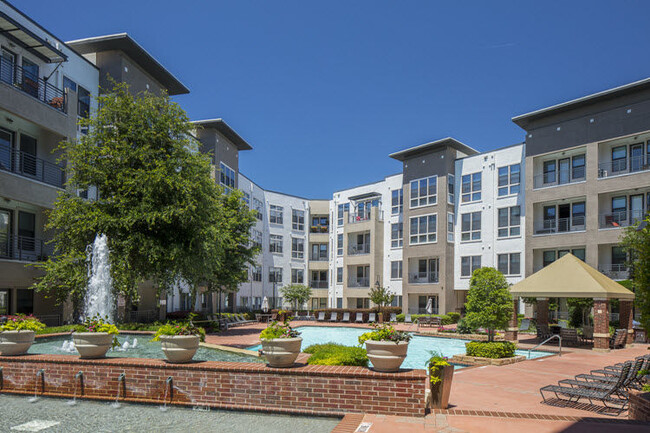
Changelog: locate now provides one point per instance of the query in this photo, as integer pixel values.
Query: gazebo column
(542, 311)
(601, 324)
(513, 325)
(625, 319)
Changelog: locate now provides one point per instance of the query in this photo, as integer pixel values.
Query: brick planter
(306, 389)
(475, 360)
(639, 406)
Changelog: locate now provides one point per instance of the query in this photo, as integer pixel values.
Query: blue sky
(307, 82)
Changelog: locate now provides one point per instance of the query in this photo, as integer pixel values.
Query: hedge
(496, 349)
(336, 354)
(387, 311)
(446, 319)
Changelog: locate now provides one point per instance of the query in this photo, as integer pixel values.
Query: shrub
(336, 354)
(489, 303)
(464, 328)
(495, 349)
(21, 322)
(454, 316)
(61, 329)
(187, 328)
(385, 332)
(279, 330)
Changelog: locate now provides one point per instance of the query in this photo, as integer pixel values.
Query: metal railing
(359, 282)
(546, 341)
(356, 249)
(358, 217)
(560, 177)
(318, 284)
(29, 166)
(17, 77)
(49, 319)
(423, 278)
(620, 218)
(615, 271)
(319, 229)
(318, 258)
(24, 248)
(144, 316)
(622, 166)
(560, 225)
(421, 311)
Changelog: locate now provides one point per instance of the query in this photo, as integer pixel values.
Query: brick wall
(639, 406)
(307, 389)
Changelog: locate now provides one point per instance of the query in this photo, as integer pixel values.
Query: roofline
(592, 98)
(282, 193)
(220, 125)
(369, 183)
(411, 151)
(176, 87)
(523, 143)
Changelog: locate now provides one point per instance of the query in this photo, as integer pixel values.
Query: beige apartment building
(319, 252)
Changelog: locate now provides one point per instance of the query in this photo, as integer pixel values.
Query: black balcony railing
(23, 248)
(27, 165)
(14, 75)
(318, 284)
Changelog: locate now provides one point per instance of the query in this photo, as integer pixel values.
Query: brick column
(542, 311)
(601, 325)
(513, 325)
(625, 319)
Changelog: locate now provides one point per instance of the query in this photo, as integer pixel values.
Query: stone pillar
(601, 325)
(513, 325)
(625, 319)
(542, 311)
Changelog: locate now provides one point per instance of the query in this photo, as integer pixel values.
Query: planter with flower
(95, 338)
(280, 344)
(386, 347)
(180, 341)
(441, 374)
(17, 334)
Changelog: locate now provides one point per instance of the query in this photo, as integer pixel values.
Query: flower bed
(336, 354)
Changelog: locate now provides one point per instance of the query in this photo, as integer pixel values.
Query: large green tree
(636, 241)
(489, 303)
(296, 294)
(158, 203)
(381, 297)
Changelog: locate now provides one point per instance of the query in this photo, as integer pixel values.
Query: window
(450, 227)
(423, 229)
(619, 257)
(257, 273)
(469, 264)
(341, 212)
(319, 224)
(257, 207)
(339, 244)
(451, 188)
(246, 198)
(396, 235)
(297, 276)
(83, 102)
(298, 220)
(471, 188)
(275, 275)
(424, 191)
(339, 275)
(619, 158)
(256, 238)
(550, 256)
(578, 167)
(578, 212)
(509, 180)
(470, 226)
(226, 177)
(427, 271)
(318, 252)
(397, 201)
(318, 280)
(509, 264)
(69, 84)
(275, 244)
(396, 270)
(275, 215)
(509, 221)
(549, 171)
(297, 248)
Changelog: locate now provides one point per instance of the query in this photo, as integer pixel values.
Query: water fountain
(40, 374)
(169, 389)
(2, 380)
(121, 382)
(99, 296)
(79, 377)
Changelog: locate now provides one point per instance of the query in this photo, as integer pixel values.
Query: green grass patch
(336, 354)
(495, 350)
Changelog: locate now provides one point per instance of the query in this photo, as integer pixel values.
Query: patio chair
(393, 317)
(587, 334)
(425, 321)
(346, 317)
(372, 318)
(569, 336)
(543, 332)
(321, 316)
(605, 382)
(435, 321)
(618, 339)
(603, 395)
(524, 325)
(359, 318)
(609, 376)
(333, 316)
(408, 319)
(274, 317)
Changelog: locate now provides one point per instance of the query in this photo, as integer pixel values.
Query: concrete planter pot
(15, 342)
(386, 356)
(92, 345)
(281, 352)
(440, 391)
(179, 349)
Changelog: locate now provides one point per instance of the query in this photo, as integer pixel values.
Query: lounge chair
(605, 382)
(346, 317)
(587, 334)
(359, 318)
(333, 316)
(372, 318)
(321, 316)
(603, 395)
(393, 317)
(609, 375)
(524, 325)
(618, 339)
(408, 319)
(543, 332)
(569, 336)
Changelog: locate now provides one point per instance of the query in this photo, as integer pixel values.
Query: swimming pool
(420, 347)
(135, 346)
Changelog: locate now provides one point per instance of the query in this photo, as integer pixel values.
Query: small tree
(296, 294)
(489, 303)
(381, 296)
(636, 241)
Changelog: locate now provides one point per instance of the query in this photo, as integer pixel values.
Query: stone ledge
(473, 337)
(639, 406)
(475, 360)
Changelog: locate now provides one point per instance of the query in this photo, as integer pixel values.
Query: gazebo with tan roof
(570, 277)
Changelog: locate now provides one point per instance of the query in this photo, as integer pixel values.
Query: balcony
(38, 88)
(561, 177)
(318, 258)
(619, 219)
(319, 229)
(318, 284)
(423, 278)
(29, 166)
(615, 271)
(359, 282)
(360, 217)
(617, 167)
(560, 225)
(358, 249)
(24, 248)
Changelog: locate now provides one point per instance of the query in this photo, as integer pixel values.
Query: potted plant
(280, 344)
(386, 347)
(180, 341)
(17, 334)
(441, 373)
(95, 338)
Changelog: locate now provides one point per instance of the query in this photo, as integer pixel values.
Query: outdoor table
(263, 317)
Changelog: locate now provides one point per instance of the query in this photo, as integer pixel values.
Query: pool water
(135, 346)
(420, 348)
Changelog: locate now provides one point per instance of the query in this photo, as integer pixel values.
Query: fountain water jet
(39, 375)
(77, 377)
(99, 296)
